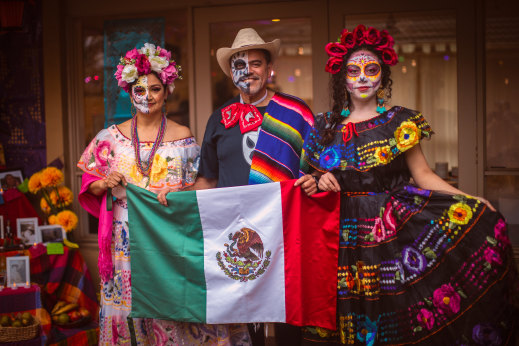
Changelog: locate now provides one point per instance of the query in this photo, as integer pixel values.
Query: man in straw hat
(257, 136)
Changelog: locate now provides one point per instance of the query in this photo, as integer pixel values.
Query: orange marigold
(52, 220)
(67, 219)
(34, 184)
(51, 176)
(65, 195)
(44, 206)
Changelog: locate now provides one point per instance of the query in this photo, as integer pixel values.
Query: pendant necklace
(144, 166)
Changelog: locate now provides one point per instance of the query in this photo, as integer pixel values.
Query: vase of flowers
(55, 197)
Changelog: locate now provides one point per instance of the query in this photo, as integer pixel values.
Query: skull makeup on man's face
(240, 71)
(140, 94)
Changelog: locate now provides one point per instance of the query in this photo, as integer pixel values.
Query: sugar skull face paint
(363, 74)
(240, 71)
(140, 94)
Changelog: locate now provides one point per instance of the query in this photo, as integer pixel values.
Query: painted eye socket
(372, 70)
(239, 64)
(139, 91)
(353, 71)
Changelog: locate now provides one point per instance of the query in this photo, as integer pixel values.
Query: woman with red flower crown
(154, 153)
(418, 263)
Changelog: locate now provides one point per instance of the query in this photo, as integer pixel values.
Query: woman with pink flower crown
(154, 153)
(419, 263)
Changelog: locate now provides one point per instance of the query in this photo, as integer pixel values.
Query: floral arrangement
(381, 41)
(139, 62)
(55, 197)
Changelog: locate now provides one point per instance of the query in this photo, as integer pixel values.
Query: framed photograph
(26, 230)
(18, 271)
(51, 234)
(11, 178)
(2, 234)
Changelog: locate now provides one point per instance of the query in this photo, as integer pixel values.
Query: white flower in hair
(148, 49)
(129, 73)
(158, 63)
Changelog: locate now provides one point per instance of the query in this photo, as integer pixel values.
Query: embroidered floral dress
(414, 265)
(175, 164)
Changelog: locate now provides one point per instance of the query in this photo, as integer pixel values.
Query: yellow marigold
(53, 196)
(67, 219)
(34, 184)
(52, 219)
(65, 195)
(51, 176)
(44, 206)
(383, 154)
(159, 170)
(407, 135)
(460, 213)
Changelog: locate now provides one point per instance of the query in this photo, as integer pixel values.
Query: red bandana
(249, 116)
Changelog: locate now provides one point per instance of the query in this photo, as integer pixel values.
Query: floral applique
(446, 300)
(460, 213)
(407, 135)
(486, 334)
(413, 260)
(425, 318)
(367, 332)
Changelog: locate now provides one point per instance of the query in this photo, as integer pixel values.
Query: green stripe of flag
(175, 247)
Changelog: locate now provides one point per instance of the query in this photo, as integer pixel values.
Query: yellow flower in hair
(407, 135)
(51, 176)
(52, 219)
(34, 184)
(67, 219)
(44, 206)
(159, 170)
(460, 213)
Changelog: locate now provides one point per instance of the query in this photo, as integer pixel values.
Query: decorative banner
(119, 37)
(260, 253)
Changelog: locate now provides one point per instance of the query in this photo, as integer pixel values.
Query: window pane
(292, 69)
(425, 78)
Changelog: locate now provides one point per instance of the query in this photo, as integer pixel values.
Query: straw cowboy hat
(246, 39)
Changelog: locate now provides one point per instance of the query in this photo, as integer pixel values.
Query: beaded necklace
(144, 167)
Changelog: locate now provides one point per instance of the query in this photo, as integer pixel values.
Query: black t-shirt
(226, 153)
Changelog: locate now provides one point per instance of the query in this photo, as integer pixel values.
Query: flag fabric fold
(262, 253)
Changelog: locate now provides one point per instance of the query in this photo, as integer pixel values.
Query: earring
(133, 110)
(345, 110)
(380, 101)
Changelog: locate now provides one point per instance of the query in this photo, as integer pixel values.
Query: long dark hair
(340, 94)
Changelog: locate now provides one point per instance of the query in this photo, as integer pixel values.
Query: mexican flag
(261, 253)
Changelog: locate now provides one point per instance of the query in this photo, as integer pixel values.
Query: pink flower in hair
(169, 74)
(143, 64)
(164, 53)
(371, 36)
(132, 54)
(335, 49)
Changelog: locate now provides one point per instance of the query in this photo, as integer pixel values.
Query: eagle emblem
(244, 256)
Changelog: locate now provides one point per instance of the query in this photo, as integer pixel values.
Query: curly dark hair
(340, 94)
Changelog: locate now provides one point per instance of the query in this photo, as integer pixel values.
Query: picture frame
(10, 178)
(51, 234)
(26, 230)
(18, 271)
(2, 234)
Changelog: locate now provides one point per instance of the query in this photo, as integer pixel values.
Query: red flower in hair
(143, 65)
(358, 33)
(389, 56)
(347, 39)
(334, 65)
(386, 41)
(371, 36)
(335, 49)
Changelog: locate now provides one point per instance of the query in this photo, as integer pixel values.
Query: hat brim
(223, 55)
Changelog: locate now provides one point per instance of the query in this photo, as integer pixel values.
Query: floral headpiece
(379, 40)
(139, 62)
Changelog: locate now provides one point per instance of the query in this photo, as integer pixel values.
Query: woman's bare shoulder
(176, 131)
